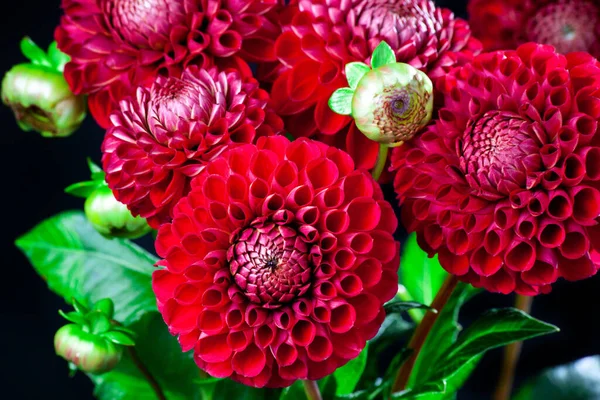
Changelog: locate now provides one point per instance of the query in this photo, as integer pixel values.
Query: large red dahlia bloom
(164, 135)
(277, 263)
(116, 45)
(505, 185)
(321, 36)
(568, 25)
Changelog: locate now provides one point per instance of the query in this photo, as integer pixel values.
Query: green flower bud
(88, 352)
(392, 103)
(42, 101)
(112, 218)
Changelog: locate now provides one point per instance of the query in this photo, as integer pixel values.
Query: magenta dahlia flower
(568, 25)
(277, 263)
(163, 136)
(505, 185)
(320, 37)
(116, 45)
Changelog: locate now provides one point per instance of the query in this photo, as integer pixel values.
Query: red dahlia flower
(162, 137)
(568, 25)
(277, 263)
(320, 37)
(116, 45)
(505, 184)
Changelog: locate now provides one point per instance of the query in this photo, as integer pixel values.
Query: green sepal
(105, 306)
(34, 53)
(73, 317)
(354, 72)
(340, 101)
(82, 189)
(72, 369)
(99, 323)
(97, 172)
(80, 308)
(57, 57)
(122, 329)
(119, 338)
(398, 306)
(382, 55)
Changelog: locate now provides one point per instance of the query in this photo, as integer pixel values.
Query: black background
(34, 172)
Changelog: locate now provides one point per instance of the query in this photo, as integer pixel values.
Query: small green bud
(112, 218)
(392, 103)
(88, 352)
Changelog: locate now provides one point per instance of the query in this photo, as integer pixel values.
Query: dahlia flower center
(146, 22)
(568, 25)
(497, 147)
(386, 18)
(270, 264)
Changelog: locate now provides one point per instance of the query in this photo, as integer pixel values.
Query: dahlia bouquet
(277, 153)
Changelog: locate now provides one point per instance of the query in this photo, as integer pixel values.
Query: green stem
(312, 390)
(422, 331)
(142, 368)
(381, 159)
(415, 314)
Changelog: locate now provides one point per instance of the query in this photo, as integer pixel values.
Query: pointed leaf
(421, 276)
(73, 317)
(340, 101)
(398, 306)
(76, 261)
(82, 189)
(348, 376)
(33, 52)
(354, 73)
(495, 328)
(57, 58)
(97, 172)
(105, 306)
(80, 308)
(123, 329)
(119, 338)
(99, 323)
(382, 55)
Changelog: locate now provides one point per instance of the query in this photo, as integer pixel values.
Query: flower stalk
(511, 356)
(422, 331)
(311, 388)
(381, 160)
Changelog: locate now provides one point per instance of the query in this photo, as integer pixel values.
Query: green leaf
(382, 55)
(33, 52)
(421, 276)
(349, 375)
(354, 73)
(422, 391)
(57, 58)
(78, 262)
(579, 380)
(97, 172)
(495, 328)
(105, 306)
(99, 323)
(398, 306)
(82, 189)
(340, 101)
(174, 370)
(73, 317)
(119, 338)
(442, 335)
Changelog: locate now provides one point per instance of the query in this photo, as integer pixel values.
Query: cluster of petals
(116, 45)
(321, 36)
(277, 263)
(505, 184)
(568, 25)
(161, 138)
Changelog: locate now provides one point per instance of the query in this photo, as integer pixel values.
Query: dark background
(34, 172)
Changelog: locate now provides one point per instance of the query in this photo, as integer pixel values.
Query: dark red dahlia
(163, 136)
(320, 37)
(504, 186)
(568, 25)
(277, 263)
(116, 45)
